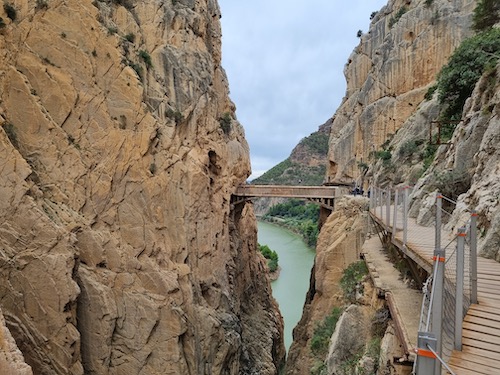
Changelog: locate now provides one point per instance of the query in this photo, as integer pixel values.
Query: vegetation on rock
(271, 256)
(457, 79)
(298, 216)
(486, 15)
(225, 123)
(350, 282)
(321, 339)
(290, 173)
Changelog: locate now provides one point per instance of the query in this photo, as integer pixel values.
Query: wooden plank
(480, 352)
(470, 357)
(483, 283)
(491, 275)
(482, 321)
(478, 368)
(485, 309)
(479, 336)
(488, 295)
(484, 315)
(481, 345)
(489, 303)
(485, 330)
(463, 371)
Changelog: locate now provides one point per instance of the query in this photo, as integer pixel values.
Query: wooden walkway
(481, 328)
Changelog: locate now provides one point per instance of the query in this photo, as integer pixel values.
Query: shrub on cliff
(271, 256)
(323, 332)
(486, 14)
(351, 279)
(457, 79)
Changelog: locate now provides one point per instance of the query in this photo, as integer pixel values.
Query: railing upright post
(473, 257)
(370, 192)
(439, 211)
(388, 208)
(459, 296)
(395, 216)
(381, 203)
(405, 216)
(438, 297)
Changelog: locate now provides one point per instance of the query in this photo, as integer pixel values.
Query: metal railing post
(438, 295)
(437, 306)
(473, 257)
(388, 208)
(381, 202)
(370, 191)
(439, 211)
(405, 216)
(459, 296)
(395, 216)
(425, 361)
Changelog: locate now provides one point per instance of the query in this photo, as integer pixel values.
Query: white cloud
(285, 61)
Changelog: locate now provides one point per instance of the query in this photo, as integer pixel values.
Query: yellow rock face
(388, 75)
(120, 250)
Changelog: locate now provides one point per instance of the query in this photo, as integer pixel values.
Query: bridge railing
(452, 284)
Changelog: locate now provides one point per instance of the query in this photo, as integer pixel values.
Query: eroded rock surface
(120, 250)
(388, 75)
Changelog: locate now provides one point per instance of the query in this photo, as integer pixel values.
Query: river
(296, 260)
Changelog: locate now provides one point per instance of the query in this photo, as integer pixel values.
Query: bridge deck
(481, 329)
(286, 191)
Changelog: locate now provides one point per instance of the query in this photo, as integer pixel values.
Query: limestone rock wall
(468, 166)
(388, 75)
(120, 251)
(11, 358)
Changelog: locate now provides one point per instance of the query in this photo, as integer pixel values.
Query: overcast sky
(285, 60)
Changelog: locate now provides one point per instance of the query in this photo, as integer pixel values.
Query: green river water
(296, 260)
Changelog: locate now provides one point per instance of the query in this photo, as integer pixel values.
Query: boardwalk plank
(481, 336)
(482, 321)
(469, 357)
(481, 345)
(478, 368)
(480, 352)
(479, 328)
(484, 315)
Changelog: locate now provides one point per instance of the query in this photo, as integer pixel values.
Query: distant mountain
(306, 165)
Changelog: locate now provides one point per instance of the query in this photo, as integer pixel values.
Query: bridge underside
(323, 195)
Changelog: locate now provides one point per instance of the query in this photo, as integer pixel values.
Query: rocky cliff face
(388, 75)
(120, 250)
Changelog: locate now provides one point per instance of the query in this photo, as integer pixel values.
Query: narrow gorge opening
(295, 261)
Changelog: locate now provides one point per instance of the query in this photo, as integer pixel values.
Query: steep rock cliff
(388, 75)
(468, 167)
(120, 250)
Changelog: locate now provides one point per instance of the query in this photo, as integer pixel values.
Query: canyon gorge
(121, 250)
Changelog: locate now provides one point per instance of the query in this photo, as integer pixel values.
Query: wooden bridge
(479, 332)
(324, 195)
